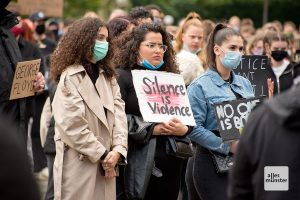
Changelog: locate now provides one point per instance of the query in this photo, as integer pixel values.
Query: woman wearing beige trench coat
(91, 126)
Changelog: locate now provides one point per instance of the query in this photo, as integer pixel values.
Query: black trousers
(39, 158)
(203, 182)
(167, 186)
(50, 187)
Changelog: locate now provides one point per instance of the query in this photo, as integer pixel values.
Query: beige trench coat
(83, 131)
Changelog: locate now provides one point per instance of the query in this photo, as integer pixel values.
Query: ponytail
(220, 33)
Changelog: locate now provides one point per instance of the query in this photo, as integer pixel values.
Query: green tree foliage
(77, 8)
(220, 10)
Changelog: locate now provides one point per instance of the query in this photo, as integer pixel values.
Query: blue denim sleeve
(201, 135)
(249, 87)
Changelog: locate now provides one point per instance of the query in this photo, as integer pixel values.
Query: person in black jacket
(46, 47)
(283, 70)
(271, 137)
(16, 180)
(14, 110)
(150, 48)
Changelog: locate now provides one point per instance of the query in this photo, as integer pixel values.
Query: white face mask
(257, 51)
(185, 47)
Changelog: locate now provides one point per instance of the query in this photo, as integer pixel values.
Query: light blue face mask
(100, 50)
(145, 63)
(231, 59)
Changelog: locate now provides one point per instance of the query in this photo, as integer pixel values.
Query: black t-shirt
(128, 93)
(92, 70)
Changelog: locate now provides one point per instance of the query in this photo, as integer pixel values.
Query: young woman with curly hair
(148, 46)
(90, 122)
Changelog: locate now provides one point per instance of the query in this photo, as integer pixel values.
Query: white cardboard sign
(161, 96)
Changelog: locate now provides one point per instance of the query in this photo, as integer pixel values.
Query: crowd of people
(79, 118)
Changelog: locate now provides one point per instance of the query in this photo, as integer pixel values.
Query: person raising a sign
(150, 49)
(284, 71)
(224, 50)
(90, 121)
(14, 110)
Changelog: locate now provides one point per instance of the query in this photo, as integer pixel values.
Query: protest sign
(53, 8)
(24, 78)
(232, 116)
(161, 96)
(256, 69)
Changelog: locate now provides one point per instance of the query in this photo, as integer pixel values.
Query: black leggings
(203, 182)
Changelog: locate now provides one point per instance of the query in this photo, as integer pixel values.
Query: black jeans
(203, 182)
(50, 187)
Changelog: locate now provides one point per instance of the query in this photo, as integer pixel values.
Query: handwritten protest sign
(161, 96)
(53, 8)
(24, 77)
(256, 69)
(232, 116)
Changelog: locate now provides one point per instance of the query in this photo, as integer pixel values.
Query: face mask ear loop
(142, 57)
(222, 51)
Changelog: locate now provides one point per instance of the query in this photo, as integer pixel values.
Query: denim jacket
(207, 89)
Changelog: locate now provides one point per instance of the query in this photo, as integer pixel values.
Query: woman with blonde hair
(190, 34)
(188, 44)
(255, 45)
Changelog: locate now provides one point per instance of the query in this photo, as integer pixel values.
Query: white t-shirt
(280, 69)
(190, 66)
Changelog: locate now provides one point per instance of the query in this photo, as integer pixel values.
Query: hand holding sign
(270, 84)
(233, 146)
(39, 83)
(176, 127)
(173, 127)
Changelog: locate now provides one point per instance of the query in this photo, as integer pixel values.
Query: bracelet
(104, 155)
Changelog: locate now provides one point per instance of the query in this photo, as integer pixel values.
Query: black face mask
(55, 31)
(40, 29)
(279, 55)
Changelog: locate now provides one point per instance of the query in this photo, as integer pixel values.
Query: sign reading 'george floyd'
(232, 116)
(24, 77)
(162, 96)
(256, 69)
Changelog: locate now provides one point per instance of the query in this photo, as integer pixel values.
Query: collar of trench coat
(95, 100)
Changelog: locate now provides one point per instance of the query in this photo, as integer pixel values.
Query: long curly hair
(76, 47)
(130, 43)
